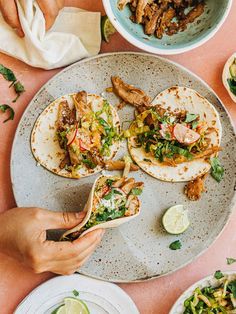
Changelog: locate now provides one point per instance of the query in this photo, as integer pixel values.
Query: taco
(112, 202)
(75, 135)
(173, 139)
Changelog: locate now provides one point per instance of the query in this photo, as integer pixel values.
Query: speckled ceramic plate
(139, 249)
(178, 307)
(100, 297)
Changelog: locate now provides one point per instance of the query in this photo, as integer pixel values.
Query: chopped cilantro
(19, 89)
(4, 108)
(176, 245)
(217, 171)
(75, 293)
(109, 182)
(191, 117)
(218, 274)
(230, 260)
(136, 191)
(7, 73)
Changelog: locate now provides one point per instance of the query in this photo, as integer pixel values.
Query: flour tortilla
(88, 209)
(186, 99)
(45, 146)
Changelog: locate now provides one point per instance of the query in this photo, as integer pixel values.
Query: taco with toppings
(75, 135)
(112, 202)
(174, 138)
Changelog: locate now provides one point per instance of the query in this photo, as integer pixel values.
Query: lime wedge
(60, 310)
(107, 28)
(232, 70)
(175, 220)
(75, 306)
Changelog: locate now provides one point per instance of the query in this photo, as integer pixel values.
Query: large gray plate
(137, 250)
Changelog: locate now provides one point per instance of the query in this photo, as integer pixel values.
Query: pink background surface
(156, 296)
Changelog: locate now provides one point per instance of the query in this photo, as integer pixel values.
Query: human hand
(23, 236)
(49, 8)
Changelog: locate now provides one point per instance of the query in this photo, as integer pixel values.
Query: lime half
(75, 306)
(107, 28)
(175, 220)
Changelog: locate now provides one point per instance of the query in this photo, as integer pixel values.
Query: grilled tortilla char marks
(130, 94)
(194, 188)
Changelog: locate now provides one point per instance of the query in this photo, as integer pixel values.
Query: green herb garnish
(230, 260)
(89, 163)
(176, 245)
(136, 191)
(109, 182)
(217, 171)
(218, 274)
(19, 89)
(7, 74)
(4, 108)
(75, 293)
(232, 287)
(191, 117)
(108, 196)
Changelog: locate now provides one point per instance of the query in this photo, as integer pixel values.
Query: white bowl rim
(124, 33)
(191, 288)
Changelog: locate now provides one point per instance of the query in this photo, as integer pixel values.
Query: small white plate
(101, 297)
(178, 307)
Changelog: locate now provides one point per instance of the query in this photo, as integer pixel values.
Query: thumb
(63, 220)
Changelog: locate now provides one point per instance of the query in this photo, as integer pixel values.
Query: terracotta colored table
(153, 297)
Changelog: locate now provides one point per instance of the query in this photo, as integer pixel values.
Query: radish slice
(71, 137)
(185, 135)
(166, 131)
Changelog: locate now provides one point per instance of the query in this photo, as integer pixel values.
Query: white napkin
(75, 35)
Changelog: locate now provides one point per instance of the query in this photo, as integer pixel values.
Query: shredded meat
(165, 22)
(192, 16)
(163, 16)
(122, 3)
(194, 188)
(208, 152)
(82, 105)
(119, 165)
(65, 115)
(140, 10)
(130, 94)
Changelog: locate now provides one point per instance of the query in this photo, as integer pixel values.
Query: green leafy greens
(176, 245)
(232, 287)
(4, 108)
(232, 85)
(217, 171)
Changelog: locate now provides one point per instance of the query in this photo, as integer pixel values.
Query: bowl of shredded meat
(167, 26)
